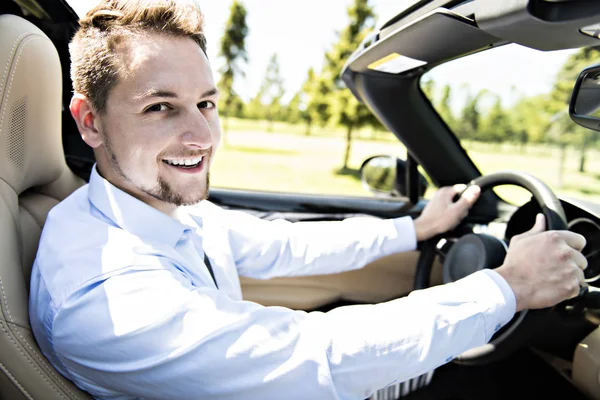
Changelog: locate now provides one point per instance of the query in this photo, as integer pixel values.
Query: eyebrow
(166, 93)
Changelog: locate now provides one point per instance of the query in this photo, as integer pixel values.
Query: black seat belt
(207, 262)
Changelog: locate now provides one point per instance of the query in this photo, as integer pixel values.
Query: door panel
(302, 207)
(384, 279)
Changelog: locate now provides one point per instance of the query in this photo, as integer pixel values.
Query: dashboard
(591, 231)
(582, 217)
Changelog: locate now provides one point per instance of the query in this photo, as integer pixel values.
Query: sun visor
(433, 38)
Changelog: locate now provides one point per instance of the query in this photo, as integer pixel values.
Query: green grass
(286, 160)
(282, 162)
(544, 163)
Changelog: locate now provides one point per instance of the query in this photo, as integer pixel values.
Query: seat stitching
(14, 380)
(6, 69)
(56, 378)
(11, 54)
(9, 87)
(8, 334)
(12, 76)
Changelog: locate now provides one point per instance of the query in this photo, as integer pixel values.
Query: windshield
(509, 108)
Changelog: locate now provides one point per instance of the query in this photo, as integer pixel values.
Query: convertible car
(552, 353)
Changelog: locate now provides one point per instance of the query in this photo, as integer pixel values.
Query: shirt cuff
(509, 295)
(490, 289)
(405, 237)
(483, 292)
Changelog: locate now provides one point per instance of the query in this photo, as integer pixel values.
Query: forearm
(311, 248)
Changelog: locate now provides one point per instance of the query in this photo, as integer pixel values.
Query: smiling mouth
(189, 163)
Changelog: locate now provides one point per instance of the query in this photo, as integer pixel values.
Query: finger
(573, 239)
(581, 278)
(580, 260)
(459, 188)
(456, 191)
(469, 197)
(575, 291)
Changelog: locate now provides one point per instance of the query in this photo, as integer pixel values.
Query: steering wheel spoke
(443, 247)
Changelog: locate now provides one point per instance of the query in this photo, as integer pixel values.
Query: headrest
(30, 106)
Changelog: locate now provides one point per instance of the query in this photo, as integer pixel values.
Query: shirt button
(449, 359)
(497, 328)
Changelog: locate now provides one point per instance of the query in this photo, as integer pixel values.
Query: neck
(162, 206)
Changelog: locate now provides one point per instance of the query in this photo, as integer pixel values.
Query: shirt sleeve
(146, 332)
(266, 249)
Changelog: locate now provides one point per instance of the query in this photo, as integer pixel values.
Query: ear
(87, 121)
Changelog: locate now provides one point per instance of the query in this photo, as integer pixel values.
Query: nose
(197, 131)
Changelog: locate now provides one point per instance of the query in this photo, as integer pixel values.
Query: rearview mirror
(386, 175)
(584, 107)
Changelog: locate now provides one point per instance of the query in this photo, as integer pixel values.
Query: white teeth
(187, 162)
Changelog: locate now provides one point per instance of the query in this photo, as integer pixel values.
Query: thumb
(539, 226)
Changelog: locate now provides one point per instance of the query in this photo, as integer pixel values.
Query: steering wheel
(473, 252)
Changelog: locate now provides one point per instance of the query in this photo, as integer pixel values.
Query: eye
(206, 104)
(157, 107)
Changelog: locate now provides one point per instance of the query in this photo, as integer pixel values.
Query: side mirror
(584, 107)
(386, 175)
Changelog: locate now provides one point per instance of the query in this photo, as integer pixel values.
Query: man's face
(161, 128)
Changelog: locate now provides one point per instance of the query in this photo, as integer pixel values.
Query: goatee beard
(167, 194)
(162, 191)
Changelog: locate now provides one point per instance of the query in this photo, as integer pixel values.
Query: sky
(301, 31)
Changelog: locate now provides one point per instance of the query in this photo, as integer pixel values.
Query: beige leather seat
(33, 178)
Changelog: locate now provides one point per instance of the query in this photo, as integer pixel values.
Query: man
(123, 304)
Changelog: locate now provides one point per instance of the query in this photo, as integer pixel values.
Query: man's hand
(544, 268)
(441, 214)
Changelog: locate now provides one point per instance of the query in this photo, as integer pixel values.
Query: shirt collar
(132, 214)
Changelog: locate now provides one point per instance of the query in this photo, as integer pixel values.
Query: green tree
(561, 95)
(558, 133)
(292, 112)
(496, 125)
(308, 98)
(272, 91)
(531, 119)
(428, 87)
(237, 108)
(444, 108)
(233, 49)
(321, 101)
(255, 109)
(467, 127)
(346, 110)
(314, 101)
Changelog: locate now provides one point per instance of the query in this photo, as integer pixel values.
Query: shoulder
(80, 246)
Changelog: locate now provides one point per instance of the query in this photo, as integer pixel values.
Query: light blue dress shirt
(122, 304)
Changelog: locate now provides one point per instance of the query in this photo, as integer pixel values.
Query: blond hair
(95, 66)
